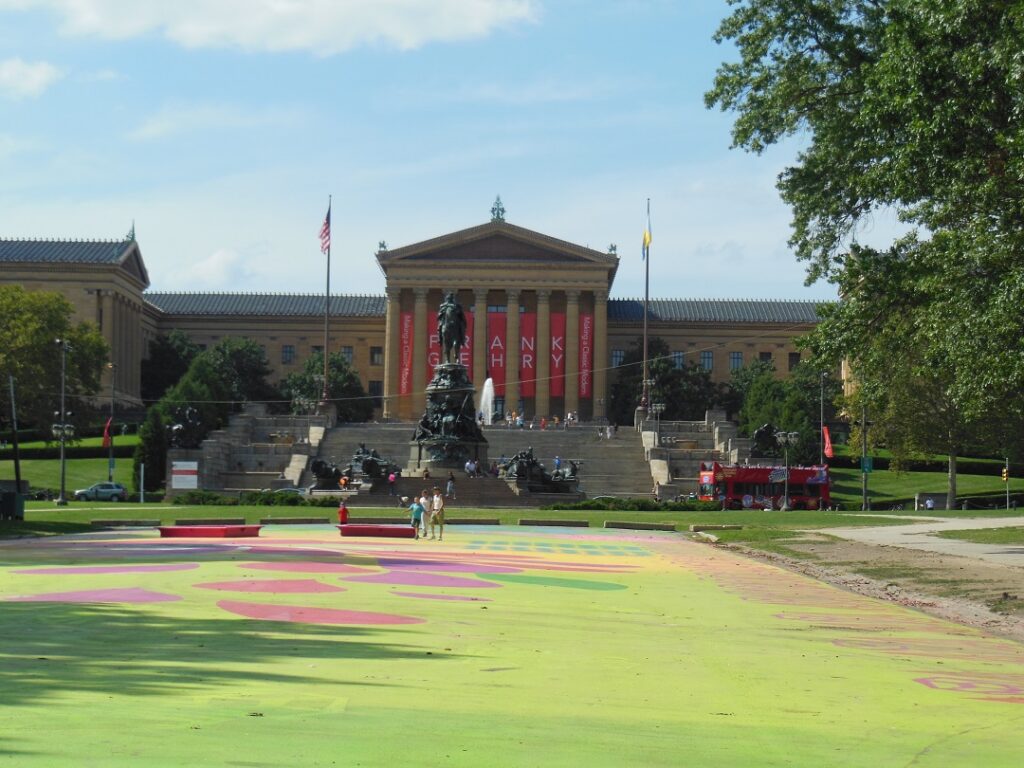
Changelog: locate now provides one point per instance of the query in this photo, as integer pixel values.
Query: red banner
(405, 353)
(497, 352)
(434, 347)
(828, 442)
(558, 354)
(586, 356)
(528, 354)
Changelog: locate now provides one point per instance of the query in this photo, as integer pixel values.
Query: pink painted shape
(88, 569)
(304, 615)
(307, 567)
(417, 579)
(122, 595)
(425, 596)
(414, 564)
(280, 586)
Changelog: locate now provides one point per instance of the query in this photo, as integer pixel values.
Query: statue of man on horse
(451, 329)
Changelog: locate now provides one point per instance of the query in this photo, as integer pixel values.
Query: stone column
(572, 351)
(392, 352)
(419, 353)
(512, 344)
(479, 339)
(600, 354)
(543, 362)
(107, 303)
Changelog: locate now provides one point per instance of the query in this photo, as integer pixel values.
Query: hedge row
(963, 466)
(637, 505)
(70, 452)
(253, 498)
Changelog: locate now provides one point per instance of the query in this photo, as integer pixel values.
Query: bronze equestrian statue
(451, 329)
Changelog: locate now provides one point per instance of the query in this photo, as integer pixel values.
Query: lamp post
(786, 439)
(657, 409)
(109, 434)
(61, 429)
(821, 425)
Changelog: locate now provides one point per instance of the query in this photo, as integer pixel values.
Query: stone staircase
(607, 467)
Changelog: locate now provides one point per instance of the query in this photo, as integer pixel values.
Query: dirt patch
(965, 590)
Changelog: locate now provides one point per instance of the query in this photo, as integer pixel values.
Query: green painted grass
(698, 657)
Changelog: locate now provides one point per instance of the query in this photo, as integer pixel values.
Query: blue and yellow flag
(647, 233)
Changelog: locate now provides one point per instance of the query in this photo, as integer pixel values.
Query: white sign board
(185, 474)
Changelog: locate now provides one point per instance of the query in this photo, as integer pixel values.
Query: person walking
(426, 504)
(392, 478)
(437, 515)
(449, 489)
(415, 514)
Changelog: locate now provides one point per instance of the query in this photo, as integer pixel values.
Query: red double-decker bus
(743, 487)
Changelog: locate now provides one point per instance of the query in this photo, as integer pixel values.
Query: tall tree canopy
(169, 358)
(912, 106)
(305, 387)
(30, 324)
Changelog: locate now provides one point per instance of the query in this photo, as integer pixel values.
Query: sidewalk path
(921, 536)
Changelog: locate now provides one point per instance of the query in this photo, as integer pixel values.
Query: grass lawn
(83, 442)
(987, 535)
(81, 473)
(886, 488)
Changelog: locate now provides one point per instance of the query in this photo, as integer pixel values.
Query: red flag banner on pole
(106, 433)
(828, 442)
(325, 232)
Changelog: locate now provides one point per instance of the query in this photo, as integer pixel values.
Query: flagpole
(646, 398)
(327, 305)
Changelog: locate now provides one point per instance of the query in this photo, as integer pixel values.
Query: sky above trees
(220, 127)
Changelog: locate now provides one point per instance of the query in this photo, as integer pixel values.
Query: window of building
(618, 355)
(376, 391)
(318, 349)
(287, 354)
(707, 360)
(376, 355)
(347, 353)
(677, 359)
(497, 308)
(735, 361)
(794, 360)
(764, 357)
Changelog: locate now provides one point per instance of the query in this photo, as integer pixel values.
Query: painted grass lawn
(496, 647)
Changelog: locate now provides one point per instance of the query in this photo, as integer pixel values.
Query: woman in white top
(426, 503)
(437, 514)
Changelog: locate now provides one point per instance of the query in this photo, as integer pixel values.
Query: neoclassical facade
(540, 322)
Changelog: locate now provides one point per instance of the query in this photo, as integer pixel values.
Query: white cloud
(323, 27)
(177, 119)
(13, 145)
(218, 269)
(20, 78)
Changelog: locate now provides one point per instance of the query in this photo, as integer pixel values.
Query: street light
(657, 409)
(61, 429)
(109, 434)
(821, 426)
(786, 439)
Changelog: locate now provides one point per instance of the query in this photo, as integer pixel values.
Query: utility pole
(864, 457)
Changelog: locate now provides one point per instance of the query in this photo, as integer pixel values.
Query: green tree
(243, 368)
(687, 392)
(151, 451)
(169, 359)
(305, 387)
(32, 322)
(910, 106)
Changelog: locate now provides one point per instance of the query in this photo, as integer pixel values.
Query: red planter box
(368, 529)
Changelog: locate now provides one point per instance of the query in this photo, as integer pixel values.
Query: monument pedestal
(448, 433)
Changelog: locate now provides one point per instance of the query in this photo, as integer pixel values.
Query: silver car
(102, 492)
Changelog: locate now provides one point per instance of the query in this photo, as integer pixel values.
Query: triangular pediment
(131, 262)
(496, 242)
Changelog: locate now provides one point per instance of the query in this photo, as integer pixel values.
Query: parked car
(102, 492)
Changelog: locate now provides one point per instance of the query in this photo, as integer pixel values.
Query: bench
(564, 523)
(385, 531)
(211, 521)
(472, 521)
(124, 523)
(208, 531)
(295, 521)
(640, 526)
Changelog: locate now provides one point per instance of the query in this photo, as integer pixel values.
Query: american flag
(325, 233)
(777, 475)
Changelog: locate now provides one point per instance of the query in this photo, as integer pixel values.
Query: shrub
(205, 498)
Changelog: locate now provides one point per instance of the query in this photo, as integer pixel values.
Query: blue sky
(221, 126)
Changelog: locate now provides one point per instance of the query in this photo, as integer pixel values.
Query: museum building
(540, 322)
